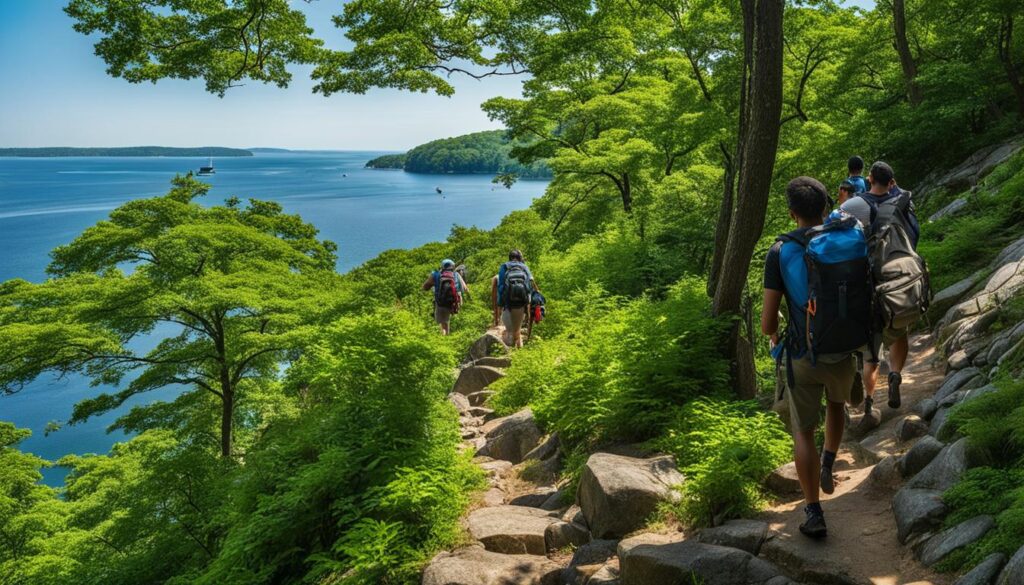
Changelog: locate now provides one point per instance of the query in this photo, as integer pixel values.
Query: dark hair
(881, 173)
(807, 197)
(855, 164)
(847, 186)
(515, 256)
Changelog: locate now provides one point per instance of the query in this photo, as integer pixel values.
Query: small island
(486, 152)
(59, 151)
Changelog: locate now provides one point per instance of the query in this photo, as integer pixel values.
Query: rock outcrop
(510, 438)
(644, 563)
(951, 539)
(618, 494)
(511, 529)
(476, 566)
(475, 378)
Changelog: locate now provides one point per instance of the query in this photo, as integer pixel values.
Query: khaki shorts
(833, 379)
(513, 319)
(442, 315)
(885, 338)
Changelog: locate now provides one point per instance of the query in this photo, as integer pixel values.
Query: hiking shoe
(895, 379)
(828, 483)
(857, 392)
(814, 526)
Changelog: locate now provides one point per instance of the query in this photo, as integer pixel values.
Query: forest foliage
(341, 464)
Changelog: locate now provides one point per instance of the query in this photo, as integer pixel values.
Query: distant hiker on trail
(511, 292)
(822, 271)
(855, 170)
(902, 292)
(449, 287)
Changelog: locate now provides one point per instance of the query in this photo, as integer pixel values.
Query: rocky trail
(885, 518)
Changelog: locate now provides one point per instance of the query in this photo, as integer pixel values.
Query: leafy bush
(725, 449)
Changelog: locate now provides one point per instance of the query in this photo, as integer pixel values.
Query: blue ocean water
(45, 202)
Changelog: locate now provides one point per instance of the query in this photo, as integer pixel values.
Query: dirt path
(862, 546)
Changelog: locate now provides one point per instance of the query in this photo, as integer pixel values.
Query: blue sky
(55, 92)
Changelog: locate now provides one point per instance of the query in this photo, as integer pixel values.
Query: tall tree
(760, 112)
(907, 62)
(230, 291)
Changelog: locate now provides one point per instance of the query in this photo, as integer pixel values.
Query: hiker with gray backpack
(449, 287)
(902, 291)
(511, 295)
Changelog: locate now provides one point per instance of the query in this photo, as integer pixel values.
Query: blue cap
(447, 263)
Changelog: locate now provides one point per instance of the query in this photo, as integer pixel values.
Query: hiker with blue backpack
(449, 288)
(899, 275)
(512, 291)
(855, 174)
(821, 269)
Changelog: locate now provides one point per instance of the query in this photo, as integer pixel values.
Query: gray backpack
(902, 289)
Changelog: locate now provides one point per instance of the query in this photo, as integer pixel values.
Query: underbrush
(994, 426)
(956, 247)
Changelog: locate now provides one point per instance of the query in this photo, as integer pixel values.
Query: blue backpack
(838, 304)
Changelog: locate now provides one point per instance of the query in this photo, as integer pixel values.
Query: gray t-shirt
(857, 207)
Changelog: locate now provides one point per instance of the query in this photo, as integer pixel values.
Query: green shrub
(725, 449)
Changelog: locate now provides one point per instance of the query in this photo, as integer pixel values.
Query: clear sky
(55, 92)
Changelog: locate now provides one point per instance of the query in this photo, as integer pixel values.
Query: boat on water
(438, 189)
(207, 170)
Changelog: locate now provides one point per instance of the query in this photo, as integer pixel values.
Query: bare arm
(494, 299)
(429, 284)
(770, 314)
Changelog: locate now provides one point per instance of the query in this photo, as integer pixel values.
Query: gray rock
(556, 501)
(938, 424)
(917, 511)
(510, 438)
(617, 494)
(959, 360)
(494, 361)
(475, 378)
(548, 448)
(534, 499)
(460, 402)
(911, 427)
(950, 295)
(954, 381)
(953, 538)
(479, 398)
(559, 535)
(953, 399)
(476, 566)
(927, 407)
(886, 473)
(690, 561)
(494, 467)
(919, 456)
(482, 413)
(945, 470)
(1013, 572)
(808, 561)
(955, 206)
(510, 529)
(746, 535)
(1012, 253)
(487, 345)
(970, 395)
(595, 552)
(783, 480)
(606, 575)
(986, 571)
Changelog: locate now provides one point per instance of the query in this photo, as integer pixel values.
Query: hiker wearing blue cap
(448, 286)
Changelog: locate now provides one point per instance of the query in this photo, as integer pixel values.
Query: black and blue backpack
(837, 300)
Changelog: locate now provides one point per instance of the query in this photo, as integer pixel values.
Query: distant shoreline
(125, 151)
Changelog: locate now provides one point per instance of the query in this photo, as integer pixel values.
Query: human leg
(898, 350)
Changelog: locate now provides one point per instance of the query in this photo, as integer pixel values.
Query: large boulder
(746, 535)
(911, 427)
(494, 361)
(479, 398)
(475, 378)
(510, 529)
(588, 560)
(488, 344)
(510, 438)
(691, 561)
(952, 209)
(970, 172)
(617, 494)
(606, 575)
(945, 470)
(986, 571)
(927, 407)
(460, 402)
(559, 535)
(886, 475)
(917, 511)
(476, 566)
(919, 456)
(951, 539)
(951, 295)
(1013, 573)
(784, 480)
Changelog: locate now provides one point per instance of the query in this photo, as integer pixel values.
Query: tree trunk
(226, 413)
(1006, 57)
(761, 110)
(724, 218)
(899, 24)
